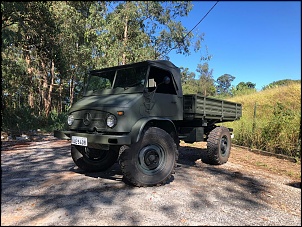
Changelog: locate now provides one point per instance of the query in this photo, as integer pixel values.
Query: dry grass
(271, 120)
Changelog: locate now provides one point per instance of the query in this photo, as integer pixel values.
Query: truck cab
(117, 98)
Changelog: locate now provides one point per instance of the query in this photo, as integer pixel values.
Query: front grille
(95, 120)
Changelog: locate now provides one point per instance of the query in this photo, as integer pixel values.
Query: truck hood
(99, 102)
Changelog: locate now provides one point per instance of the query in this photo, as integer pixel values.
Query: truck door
(163, 98)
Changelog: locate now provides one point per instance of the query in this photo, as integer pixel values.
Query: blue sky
(254, 41)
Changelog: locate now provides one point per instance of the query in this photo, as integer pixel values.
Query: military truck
(137, 114)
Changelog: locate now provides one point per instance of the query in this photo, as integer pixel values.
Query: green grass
(261, 164)
(271, 120)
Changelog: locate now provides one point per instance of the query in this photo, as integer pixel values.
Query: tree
(141, 30)
(32, 32)
(243, 88)
(280, 83)
(49, 47)
(245, 85)
(78, 23)
(188, 81)
(205, 82)
(224, 83)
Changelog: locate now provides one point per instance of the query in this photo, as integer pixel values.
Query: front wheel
(219, 145)
(92, 159)
(151, 161)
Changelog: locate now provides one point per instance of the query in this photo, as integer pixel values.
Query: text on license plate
(77, 140)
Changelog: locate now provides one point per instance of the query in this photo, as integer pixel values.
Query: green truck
(136, 115)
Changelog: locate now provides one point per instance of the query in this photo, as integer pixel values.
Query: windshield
(117, 81)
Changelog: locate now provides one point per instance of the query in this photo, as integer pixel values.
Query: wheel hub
(224, 145)
(150, 157)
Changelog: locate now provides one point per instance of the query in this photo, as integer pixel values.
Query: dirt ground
(40, 185)
(239, 155)
(252, 161)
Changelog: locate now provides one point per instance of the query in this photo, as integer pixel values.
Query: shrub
(276, 127)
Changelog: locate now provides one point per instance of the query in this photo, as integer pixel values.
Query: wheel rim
(224, 146)
(151, 159)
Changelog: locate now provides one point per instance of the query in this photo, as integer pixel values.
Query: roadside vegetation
(271, 120)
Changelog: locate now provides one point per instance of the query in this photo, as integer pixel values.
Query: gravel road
(40, 185)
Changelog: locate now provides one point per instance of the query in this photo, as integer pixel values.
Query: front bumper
(95, 138)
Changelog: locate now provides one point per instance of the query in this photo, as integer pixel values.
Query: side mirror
(167, 80)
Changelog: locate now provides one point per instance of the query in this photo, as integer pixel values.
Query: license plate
(78, 140)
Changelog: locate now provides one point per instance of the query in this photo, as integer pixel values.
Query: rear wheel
(152, 160)
(219, 145)
(92, 159)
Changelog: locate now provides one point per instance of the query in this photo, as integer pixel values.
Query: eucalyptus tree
(49, 39)
(12, 63)
(206, 85)
(29, 31)
(224, 83)
(79, 22)
(119, 33)
(141, 30)
(49, 47)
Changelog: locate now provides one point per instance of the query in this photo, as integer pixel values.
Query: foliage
(24, 120)
(188, 81)
(243, 88)
(203, 84)
(224, 83)
(276, 125)
(281, 122)
(280, 83)
(56, 121)
(206, 82)
(49, 47)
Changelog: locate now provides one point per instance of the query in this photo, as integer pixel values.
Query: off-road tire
(151, 161)
(98, 160)
(219, 145)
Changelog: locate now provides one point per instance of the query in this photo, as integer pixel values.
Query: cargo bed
(199, 106)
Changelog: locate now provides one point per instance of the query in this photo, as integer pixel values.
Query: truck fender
(163, 123)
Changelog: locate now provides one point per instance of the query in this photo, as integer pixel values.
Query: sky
(254, 41)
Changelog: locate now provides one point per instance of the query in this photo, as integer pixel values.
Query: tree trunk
(60, 105)
(30, 70)
(45, 88)
(125, 39)
(49, 95)
(71, 90)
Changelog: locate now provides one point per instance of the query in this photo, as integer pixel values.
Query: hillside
(271, 120)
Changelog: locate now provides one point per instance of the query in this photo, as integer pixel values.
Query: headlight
(111, 121)
(70, 119)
